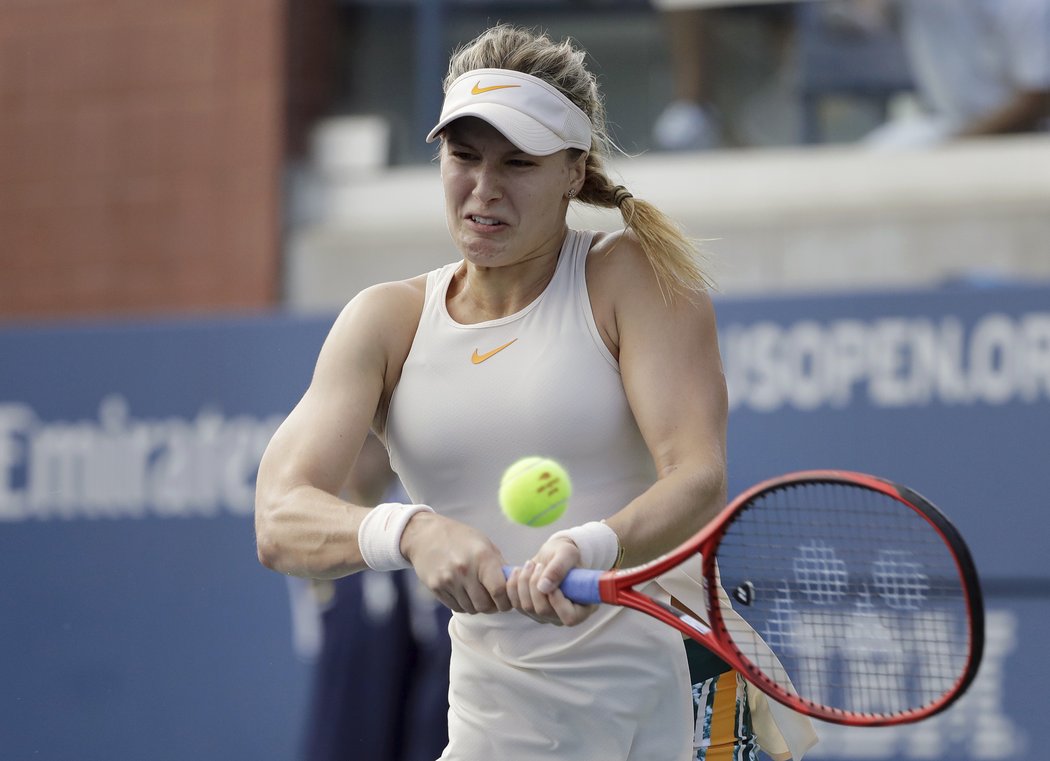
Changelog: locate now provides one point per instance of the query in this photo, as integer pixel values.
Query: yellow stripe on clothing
(722, 713)
(724, 719)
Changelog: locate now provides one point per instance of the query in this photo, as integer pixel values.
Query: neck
(479, 294)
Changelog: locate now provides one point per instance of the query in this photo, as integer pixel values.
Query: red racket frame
(616, 587)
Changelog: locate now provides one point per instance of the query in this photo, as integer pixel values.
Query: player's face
(503, 206)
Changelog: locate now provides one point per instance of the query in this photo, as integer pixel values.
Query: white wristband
(379, 535)
(599, 545)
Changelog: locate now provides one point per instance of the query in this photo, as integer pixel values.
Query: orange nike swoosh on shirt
(477, 89)
(477, 359)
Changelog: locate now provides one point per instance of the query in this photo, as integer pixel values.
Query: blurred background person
(981, 67)
(385, 631)
(693, 120)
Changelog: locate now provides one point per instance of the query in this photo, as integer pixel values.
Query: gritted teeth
(484, 220)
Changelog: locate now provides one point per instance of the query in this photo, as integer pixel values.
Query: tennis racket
(843, 596)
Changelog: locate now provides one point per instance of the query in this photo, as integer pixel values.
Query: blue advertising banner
(948, 392)
(945, 391)
(136, 623)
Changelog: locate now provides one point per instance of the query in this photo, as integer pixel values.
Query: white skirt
(615, 687)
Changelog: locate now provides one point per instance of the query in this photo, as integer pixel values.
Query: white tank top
(472, 399)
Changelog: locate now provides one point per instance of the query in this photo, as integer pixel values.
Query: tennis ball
(534, 491)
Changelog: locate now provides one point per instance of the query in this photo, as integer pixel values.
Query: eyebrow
(454, 142)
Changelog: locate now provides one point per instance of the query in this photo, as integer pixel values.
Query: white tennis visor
(531, 113)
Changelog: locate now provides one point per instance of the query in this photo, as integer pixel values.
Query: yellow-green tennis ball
(534, 491)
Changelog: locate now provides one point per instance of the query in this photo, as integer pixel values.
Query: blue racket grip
(580, 585)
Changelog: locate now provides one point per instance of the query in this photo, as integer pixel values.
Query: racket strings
(847, 597)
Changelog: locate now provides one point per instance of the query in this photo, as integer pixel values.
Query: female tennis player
(596, 349)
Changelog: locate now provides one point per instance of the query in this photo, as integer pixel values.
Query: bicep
(672, 374)
(320, 439)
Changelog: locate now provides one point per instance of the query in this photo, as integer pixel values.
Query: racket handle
(580, 585)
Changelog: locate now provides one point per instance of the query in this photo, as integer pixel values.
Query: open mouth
(484, 221)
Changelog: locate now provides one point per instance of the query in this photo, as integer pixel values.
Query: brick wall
(140, 155)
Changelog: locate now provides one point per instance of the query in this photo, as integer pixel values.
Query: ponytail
(673, 256)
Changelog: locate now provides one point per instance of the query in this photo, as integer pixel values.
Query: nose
(488, 185)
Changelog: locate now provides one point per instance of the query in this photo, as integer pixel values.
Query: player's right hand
(459, 565)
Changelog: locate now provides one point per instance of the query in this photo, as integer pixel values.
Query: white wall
(781, 220)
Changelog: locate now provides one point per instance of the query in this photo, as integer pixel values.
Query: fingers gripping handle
(580, 585)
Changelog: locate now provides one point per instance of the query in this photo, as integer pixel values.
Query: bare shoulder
(621, 281)
(394, 305)
(374, 331)
(616, 255)
(381, 311)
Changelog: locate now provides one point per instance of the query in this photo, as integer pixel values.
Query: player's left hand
(534, 587)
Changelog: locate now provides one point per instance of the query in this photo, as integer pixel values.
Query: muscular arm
(302, 526)
(672, 374)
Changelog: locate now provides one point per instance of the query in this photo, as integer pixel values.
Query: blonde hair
(673, 257)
